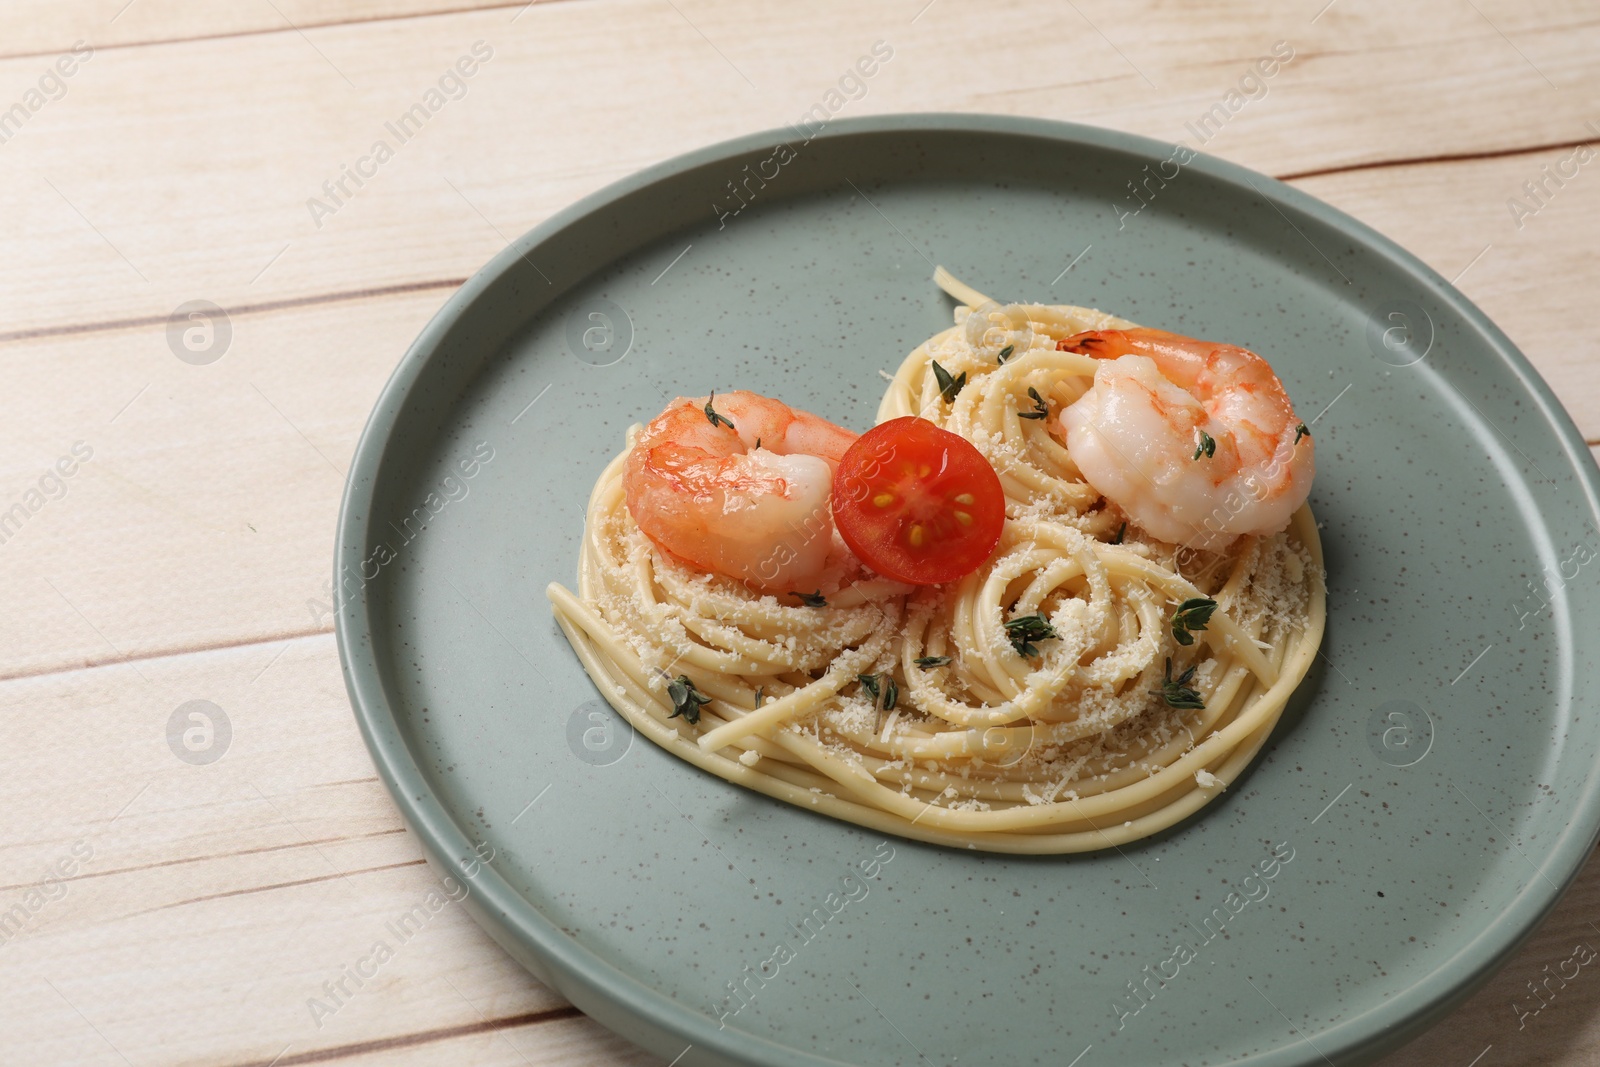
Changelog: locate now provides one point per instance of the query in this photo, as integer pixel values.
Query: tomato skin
(916, 503)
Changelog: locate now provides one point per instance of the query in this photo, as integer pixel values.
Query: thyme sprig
(1041, 410)
(885, 693)
(948, 386)
(1177, 691)
(1024, 630)
(1192, 614)
(715, 417)
(686, 699)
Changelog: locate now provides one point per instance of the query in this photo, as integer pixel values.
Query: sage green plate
(1433, 783)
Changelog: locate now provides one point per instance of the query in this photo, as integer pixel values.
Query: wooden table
(184, 152)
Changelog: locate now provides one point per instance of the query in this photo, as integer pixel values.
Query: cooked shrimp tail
(1197, 442)
(739, 484)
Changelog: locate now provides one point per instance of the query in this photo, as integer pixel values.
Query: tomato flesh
(916, 503)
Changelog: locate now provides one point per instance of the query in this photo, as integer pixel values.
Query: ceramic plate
(1432, 785)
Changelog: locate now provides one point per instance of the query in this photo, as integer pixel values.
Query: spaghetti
(913, 710)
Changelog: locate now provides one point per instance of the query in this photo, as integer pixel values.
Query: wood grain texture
(242, 889)
(212, 189)
(1517, 274)
(185, 558)
(555, 1042)
(218, 902)
(47, 27)
(205, 515)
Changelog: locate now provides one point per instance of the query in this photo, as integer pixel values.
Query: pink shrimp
(739, 484)
(1158, 400)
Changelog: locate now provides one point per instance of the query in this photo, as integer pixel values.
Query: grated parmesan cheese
(1089, 693)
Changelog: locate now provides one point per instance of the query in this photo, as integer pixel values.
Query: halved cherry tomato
(916, 503)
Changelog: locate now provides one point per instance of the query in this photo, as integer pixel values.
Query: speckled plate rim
(646, 1016)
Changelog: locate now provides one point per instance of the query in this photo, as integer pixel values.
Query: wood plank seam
(116, 660)
(421, 1015)
(265, 306)
(378, 292)
(423, 1037)
(1414, 161)
(214, 855)
(290, 28)
(274, 885)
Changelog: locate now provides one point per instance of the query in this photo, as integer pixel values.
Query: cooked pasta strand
(1073, 750)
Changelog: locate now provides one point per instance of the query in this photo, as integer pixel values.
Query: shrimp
(740, 484)
(1197, 442)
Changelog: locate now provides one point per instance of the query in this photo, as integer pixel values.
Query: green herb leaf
(1121, 532)
(759, 688)
(686, 699)
(714, 417)
(813, 600)
(1176, 691)
(885, 693)
(1025, 630)
(1192, 614)
(1301, 431)
(931, 661)
(1005, 353)
(948, 386)
(1207, 445)
(1041, 411)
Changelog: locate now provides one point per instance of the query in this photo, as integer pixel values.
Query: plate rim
(602, 990)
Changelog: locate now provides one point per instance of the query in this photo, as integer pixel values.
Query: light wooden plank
(204, 518)
(1531, 279)
(45, 26)
(241, 162)
(236, 889)
(206, 513)
(558, 1043)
